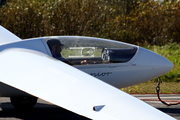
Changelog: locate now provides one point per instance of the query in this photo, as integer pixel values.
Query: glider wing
(56, 82)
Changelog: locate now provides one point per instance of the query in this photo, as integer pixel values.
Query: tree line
(130, 21)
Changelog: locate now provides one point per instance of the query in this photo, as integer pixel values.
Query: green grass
(150, 87)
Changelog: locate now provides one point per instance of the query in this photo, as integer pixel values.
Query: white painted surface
(56, 82)
(145, 66)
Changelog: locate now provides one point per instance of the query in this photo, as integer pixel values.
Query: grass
(150, 88)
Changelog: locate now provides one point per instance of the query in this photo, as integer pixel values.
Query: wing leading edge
(56, 82)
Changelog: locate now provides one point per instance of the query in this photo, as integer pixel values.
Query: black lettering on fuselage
(103, 74)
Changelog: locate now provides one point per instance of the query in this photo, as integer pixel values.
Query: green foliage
(22, 18)
(150, 87)
(157, 23)
(130, 21)
(41, 18)
(123, 20)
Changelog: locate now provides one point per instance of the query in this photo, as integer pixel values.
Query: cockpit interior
(88, 50)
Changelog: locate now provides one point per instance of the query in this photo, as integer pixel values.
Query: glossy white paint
(70, 88)
(144, 66)
(27, 68)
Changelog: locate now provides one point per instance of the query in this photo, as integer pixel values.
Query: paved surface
(173, 110)
(41, 111)
(46, 111)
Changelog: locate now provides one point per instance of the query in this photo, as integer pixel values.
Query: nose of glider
(158, 64)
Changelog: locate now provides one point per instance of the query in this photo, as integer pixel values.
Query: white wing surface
(56, 82)
(6, 36)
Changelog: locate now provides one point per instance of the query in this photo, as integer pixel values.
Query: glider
(84, 78)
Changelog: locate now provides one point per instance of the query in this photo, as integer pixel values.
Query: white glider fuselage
(29, 71)
(142, 66)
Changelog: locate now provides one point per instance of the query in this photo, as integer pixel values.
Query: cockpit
(89, 50)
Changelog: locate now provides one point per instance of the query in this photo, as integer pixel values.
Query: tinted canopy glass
(94, 50)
